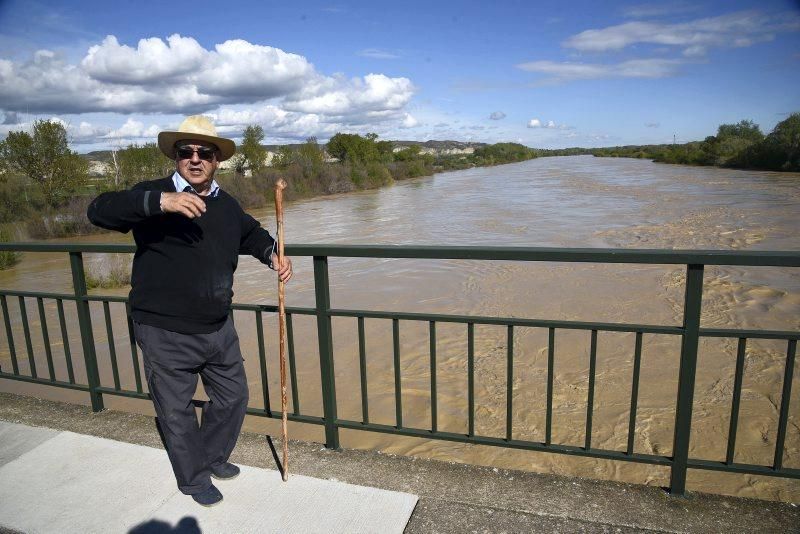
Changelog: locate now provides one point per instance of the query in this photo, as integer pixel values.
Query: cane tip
(281, 184)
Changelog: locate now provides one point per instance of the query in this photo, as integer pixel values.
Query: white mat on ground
(78, 483)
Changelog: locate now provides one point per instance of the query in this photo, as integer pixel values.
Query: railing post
(85, 324)
(324, 335)
(686, 377)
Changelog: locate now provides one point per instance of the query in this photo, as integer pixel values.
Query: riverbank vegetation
(739, 146)
(109, 271)
(8, 258)
(46, 187)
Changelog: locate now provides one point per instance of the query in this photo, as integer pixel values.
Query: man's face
(196, 170)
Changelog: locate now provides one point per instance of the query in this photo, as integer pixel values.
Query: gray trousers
(172, 362)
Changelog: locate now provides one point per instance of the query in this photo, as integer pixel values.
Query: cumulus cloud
(246, 71)
(134, 129)
(77, 134)
(374, 93)
(152, 60)
(86, 131)
(550, 125)
(409, 121)
(497, 115)
(740, 29)
(634, 68)
(180, 76)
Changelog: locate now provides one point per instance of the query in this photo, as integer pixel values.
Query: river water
(577, 201)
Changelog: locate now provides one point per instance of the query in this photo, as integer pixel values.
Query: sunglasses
(187, 152)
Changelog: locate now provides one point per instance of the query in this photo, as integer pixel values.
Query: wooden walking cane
(280, 185)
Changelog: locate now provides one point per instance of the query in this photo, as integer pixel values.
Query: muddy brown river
(577, 201)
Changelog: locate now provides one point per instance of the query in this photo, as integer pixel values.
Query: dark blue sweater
(182, 278)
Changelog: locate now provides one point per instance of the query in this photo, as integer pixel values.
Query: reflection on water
(557, 202)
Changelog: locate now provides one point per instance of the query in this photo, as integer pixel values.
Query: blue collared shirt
(181, 184)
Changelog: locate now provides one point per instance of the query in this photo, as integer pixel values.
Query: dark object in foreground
(209, 497)
(226, 471)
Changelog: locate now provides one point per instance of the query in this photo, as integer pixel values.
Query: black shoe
(225, 471)
(209, 497)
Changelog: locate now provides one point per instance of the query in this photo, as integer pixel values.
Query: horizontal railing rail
(22, 355)
(586, 255)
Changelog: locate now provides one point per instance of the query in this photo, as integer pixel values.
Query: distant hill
(103, 156)
(440, 145)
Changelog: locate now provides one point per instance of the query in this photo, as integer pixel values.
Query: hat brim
(167, 140)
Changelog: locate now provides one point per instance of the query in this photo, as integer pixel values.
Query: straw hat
(196, 127)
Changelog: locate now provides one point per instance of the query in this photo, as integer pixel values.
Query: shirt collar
(181, 184)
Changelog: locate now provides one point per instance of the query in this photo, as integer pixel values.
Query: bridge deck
(55, 481)
(44, 471)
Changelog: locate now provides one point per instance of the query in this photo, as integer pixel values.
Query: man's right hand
(187, 204)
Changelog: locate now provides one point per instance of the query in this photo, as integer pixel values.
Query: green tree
(252, 155)
(786, 138)
(283, 157)
(408, 153)
(354, 148)
(139, 162)
(45, 158)
(746, 129)
(310, 157)
(732, 142)
(502, 153)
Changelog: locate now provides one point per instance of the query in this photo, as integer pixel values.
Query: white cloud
(739, 29)
(79, 134)
(377, 53)
(179, 76)
(635, 68)
(153, 60)
(235, 70)
(248, 72)
(86, 131)
(338, 97)
(409, 121)
(497, 115)
(550, 125)
(134, 129)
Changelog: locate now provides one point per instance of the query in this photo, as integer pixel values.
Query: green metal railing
(690, 333)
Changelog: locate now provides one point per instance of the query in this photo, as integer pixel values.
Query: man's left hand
(284, 269)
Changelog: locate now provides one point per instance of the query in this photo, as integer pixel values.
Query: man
(189, 234)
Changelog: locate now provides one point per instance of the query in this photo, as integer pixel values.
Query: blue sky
(546, 74)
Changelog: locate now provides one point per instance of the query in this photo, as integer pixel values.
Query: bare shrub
(249, 192)
(8, 258)
(109, 271)
(68, 220)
